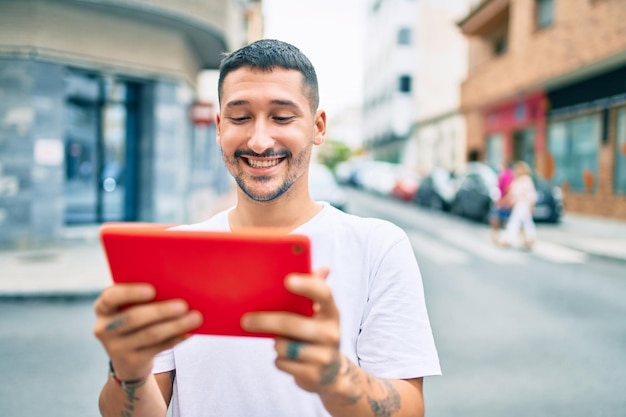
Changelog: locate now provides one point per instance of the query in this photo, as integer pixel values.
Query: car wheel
(457, 209)
(436, 203)
(485, 216)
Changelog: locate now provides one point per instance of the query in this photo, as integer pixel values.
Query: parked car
(406, 184)
(478, 191)
(324, 187)
(377, 177)
(344, 171)
(549, 205)
(436, 190)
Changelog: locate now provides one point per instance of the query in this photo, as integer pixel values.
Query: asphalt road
(539, 333)
(50, 363)
(518, 333)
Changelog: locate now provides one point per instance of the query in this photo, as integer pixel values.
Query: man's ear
(320, 127)
(217, 128)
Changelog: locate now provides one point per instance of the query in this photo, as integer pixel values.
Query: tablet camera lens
(297, 249)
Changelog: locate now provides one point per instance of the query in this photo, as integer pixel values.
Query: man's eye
(238, 119)
(285, 119)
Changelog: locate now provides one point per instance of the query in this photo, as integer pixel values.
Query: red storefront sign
(202, 114)
(515, 115)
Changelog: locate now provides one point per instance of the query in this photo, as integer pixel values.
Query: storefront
(586, 142)
(95, 113)
(515, 130)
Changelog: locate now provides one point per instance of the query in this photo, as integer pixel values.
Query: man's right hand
(133, 329)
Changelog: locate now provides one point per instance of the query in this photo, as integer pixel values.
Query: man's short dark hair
(267, 54)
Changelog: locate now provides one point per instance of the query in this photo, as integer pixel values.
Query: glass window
(500, 45)
(574, 145)
(405, 84)
(544, 10)
(404, 36)
(495, 151)
(559, 149)
(620, 153)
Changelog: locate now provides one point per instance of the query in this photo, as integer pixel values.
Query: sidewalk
(77, 267)
(604, 238)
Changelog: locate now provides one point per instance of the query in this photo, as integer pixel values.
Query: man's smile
(262, 163)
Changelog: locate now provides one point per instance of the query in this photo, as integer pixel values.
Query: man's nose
(261, 138)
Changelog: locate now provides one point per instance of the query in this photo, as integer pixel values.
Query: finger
(113, 298)
(312, 374)
(295, 350)
(143, 315)
(316, 289)
(153, 350)
(160, 333)
(154, 338)
(293, 326)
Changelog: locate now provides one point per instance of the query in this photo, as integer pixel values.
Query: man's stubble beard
(295, 165)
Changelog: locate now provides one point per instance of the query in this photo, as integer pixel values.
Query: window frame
(572, 174)
(543, 21)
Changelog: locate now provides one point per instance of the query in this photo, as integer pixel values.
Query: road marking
(558, 254)
(483, 247)
(433, 250)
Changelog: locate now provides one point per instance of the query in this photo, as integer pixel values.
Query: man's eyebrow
(236, 103)
(285, 103)
(278, 102)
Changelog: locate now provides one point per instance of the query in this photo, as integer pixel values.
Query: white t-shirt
(384, 325)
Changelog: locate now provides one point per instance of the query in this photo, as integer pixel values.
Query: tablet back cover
(221, 274)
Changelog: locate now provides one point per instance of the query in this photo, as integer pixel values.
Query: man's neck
(287, 213)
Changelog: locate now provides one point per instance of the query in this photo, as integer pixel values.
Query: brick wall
(583, 33)
(585, 37)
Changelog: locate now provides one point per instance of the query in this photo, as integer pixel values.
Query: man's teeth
(264, 163)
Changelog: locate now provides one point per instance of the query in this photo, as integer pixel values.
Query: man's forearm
(357, 393)
(146, 400)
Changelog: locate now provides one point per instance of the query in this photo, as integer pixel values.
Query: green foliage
(333, 152)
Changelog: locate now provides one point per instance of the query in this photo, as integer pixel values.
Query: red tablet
(221, 274)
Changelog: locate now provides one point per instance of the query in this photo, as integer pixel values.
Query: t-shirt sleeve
(164, 362)
(396, 339)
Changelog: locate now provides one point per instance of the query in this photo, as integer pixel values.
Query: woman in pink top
(523, 196)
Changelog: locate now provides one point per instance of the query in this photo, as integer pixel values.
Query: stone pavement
(77, 267)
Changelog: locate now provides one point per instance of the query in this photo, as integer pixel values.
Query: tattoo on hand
(115, 324)
(330, 371)
(356, 390)
(388, 405)
(329, 375)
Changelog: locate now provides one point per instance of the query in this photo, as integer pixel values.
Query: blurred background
(107, 114)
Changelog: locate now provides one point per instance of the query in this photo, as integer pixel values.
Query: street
(519, 333)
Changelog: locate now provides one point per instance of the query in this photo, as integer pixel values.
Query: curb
(60, 296)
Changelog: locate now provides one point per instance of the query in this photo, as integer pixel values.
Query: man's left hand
(306, 347)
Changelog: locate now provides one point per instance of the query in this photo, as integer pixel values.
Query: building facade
(96, 109)
(547, 84)
(390, 74)
(438, 136)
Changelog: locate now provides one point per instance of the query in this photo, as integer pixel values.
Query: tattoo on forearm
(388, 405)
(115, 324)
(131, 398)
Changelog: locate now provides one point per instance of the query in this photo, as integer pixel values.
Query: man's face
(266, 129)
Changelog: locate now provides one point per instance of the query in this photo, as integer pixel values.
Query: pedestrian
(501, 209)
(523, 196)
(367, 347)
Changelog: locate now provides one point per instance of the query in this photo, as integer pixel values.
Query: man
(369, 343)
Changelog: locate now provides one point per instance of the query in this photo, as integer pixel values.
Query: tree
(333, 152)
